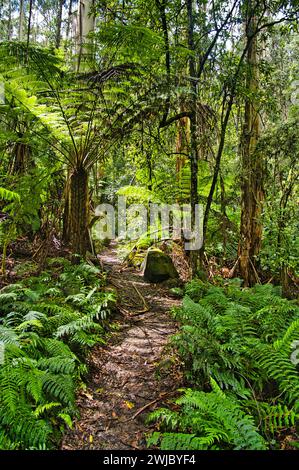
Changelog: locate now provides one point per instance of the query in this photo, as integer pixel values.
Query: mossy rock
(135, 257)
(144, 243)
(158, 266)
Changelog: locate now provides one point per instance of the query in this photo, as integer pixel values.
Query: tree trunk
(58, 24)
(9, 25)
(162, 5)
(86, 22)
(79, 212)
(194, 254)
(29, 26)
(66, 228)
(224, 221)
(282, 224)
(21, 21)
(69, 19)
(20, 159)
(252, 193)
(181, 148)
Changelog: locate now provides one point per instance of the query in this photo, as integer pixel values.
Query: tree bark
(66, 224)
(29, 25)
(69, 19)
(181, 149)
(252, 192)
(161, 5)
(85, 26)
(194, 254)
(58, 24)
(9, 25)
(21, 21)
(79, 212)
(224, 221)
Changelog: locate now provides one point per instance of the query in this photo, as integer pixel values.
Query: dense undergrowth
(48, 323)
(237, 347)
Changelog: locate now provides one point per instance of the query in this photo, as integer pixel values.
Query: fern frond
(208, 418)
(9, 195)
(60, 387)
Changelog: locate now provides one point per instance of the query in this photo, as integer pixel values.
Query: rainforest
(149, 272)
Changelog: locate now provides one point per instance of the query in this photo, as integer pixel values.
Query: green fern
(40, 331)
(277, 365)
(207, 420)
(9, 195)
(242, 339)
(273, 418)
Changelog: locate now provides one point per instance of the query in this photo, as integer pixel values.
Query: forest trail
(125, 383)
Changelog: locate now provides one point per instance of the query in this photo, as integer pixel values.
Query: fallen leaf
(129, 404)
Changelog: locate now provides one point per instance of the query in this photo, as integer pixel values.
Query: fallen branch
(255, 273)
(146, 307)
(141, 410)
(148, 405)
(232, 271)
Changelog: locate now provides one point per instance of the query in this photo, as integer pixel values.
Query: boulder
(158, 266)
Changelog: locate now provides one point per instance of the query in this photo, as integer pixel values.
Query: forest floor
(134, 372)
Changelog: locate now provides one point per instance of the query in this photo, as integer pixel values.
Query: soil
(135, 372)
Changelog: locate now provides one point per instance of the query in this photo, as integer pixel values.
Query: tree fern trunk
(66, 229)
(79, 212)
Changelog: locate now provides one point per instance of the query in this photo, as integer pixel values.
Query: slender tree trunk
(29, 25)
(194, 254)
(182, 147)
(79, 212)
(252, 193)
(161, 5)
(58, 24)
(21, 21)
(9, 25)
(282, 224)
(69, 19)
(224, 225)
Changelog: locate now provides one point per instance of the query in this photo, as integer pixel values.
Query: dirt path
(125, 383)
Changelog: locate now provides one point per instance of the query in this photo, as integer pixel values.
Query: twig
(141, 410)
(232, 271)
(146, 307)
(254, 270)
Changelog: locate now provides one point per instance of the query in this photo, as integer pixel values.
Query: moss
(159, 266)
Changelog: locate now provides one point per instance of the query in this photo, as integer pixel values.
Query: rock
(158, 266)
